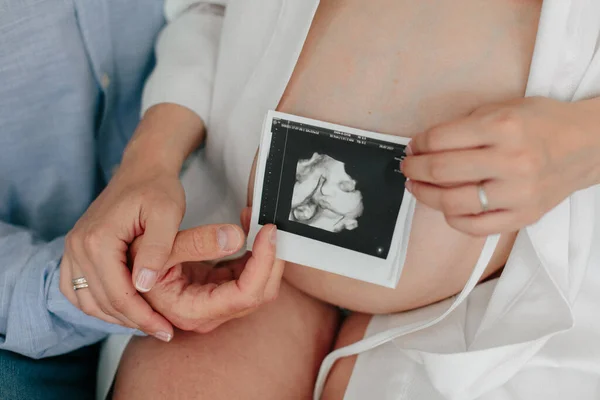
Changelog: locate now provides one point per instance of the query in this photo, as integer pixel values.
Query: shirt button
(105, 81)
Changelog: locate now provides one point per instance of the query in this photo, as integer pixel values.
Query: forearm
(178, 95)
(36, 320)
(166, 136)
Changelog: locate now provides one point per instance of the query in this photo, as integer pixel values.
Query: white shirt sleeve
(186, 56)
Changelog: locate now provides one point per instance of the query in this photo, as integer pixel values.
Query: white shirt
(531, 334)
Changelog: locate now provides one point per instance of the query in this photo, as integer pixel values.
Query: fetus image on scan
(325, 196)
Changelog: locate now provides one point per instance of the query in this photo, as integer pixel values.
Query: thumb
(208, 242)
(152, 250)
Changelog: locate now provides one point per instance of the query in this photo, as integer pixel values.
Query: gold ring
(80, 283)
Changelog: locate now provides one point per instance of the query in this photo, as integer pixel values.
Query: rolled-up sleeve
(36, 319)
(186, 56)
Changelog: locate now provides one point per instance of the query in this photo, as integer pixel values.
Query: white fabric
(533, 333)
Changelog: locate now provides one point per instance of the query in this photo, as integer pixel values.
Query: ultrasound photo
(331, 186)
(325, 196)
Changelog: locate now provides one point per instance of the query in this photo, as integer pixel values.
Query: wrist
(165, 137)
(588, 125)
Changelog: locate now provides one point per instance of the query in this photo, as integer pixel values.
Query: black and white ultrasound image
(335, 187)
(325, 196)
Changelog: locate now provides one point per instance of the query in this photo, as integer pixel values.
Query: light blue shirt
(71, 76)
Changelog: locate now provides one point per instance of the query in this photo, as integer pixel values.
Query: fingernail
(228, 238)
(408, 150)
(273, 236)
(409, 185)
(145, 280)
(164, 336)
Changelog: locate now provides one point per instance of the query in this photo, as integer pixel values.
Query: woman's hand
(198, 296)
(528, 155)
(136, 202)
(144, 197)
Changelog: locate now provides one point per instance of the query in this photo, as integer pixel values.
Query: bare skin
(415, 65)
(404, 91)
(272, 354)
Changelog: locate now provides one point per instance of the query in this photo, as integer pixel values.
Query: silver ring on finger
(80, 283)
(483, 199)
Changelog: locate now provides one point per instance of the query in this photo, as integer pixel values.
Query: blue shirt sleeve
(36, 319)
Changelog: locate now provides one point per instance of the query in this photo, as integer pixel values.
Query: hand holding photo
(336, 195)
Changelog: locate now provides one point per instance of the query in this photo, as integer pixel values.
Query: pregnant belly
(400, 67)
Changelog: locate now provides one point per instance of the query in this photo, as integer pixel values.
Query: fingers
(454, 167)
(201, 298)
(110, 296)
(209, 242)
(220, 275)
(88, 305)
(270, 294)
(274, 282)
(486, 223)
(505, 147)
(123, 297)
(465, 133)
(112, 289)
(248, 291)
(82, 298)
(464, 200)
(155, 247)
(66, 278)
(245, 219)
(260, 265)
(93, 300)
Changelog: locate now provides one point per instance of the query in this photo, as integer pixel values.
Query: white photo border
(312, 253)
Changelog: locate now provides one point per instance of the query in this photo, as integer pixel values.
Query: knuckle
(201, 242)
(89, 309)
(144, 321)
(165, 205)
(437, 168)
(92, 240)
(433, 138)
(70, 238)
(118, 303)
(450, 203)
(173, 210)
(74, 241)
(509, 122)
(153, 252)
(106, 310)
(271, 297)
(253, 301)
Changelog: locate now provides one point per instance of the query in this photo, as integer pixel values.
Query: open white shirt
(533, 333)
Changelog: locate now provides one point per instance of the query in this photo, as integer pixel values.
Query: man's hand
(199, 296)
